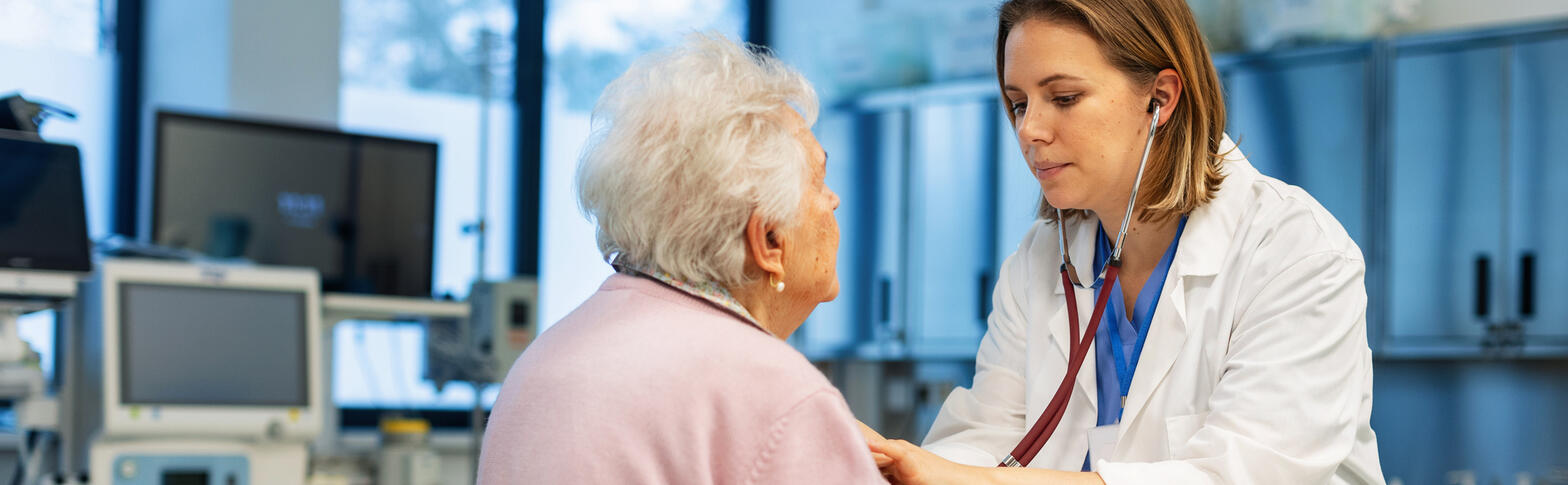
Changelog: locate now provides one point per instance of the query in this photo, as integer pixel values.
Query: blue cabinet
(1537, 245)
(1017, 190)
(951, 230)
(916, 169)
(1476, 222)
(1445, 196)
(889, 155)
(1443, 156)
(1305, 118)
(839, 325)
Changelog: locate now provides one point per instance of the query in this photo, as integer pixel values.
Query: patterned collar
(709, 291)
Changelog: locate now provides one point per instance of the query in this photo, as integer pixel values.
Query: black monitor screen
(212, 346)
(43, 218)
(359, 209)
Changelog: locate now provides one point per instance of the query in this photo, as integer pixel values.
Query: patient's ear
(764, 245)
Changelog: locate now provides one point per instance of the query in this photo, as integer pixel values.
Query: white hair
(686, 145)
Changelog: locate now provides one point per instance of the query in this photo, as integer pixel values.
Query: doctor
(1224, 311)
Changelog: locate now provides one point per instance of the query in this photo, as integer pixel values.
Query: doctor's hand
(872, 436)
(912, 465)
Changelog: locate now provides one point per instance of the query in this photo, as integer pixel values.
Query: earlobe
(764, 246)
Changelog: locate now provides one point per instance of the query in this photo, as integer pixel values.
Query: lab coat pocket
(1179, 429)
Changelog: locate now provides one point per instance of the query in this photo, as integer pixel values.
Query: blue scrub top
(1127, 343)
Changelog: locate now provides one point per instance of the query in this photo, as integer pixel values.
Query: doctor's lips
(1048, 169)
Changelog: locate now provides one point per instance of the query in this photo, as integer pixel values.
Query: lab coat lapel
(1167, 335)
(1209, 228)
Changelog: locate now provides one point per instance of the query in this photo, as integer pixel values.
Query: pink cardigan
(646, 384)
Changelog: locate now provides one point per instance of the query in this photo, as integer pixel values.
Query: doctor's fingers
(868, 433)
(904, 461)
(895, 449)
(881, 460)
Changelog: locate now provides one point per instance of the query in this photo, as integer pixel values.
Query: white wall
(275, 58)
(1463, 14)
(283, 58)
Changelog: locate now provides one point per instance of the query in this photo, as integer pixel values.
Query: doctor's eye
(1067, 100)
(1019, 108)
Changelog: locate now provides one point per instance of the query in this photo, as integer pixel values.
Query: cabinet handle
(884, 299)
(1527, 285)
(1483, 285)
(984, 303)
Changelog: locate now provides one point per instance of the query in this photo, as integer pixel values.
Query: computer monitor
(209, 351)
(360, 209)
(43, 220)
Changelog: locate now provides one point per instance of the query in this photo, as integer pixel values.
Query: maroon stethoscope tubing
(1045, 426)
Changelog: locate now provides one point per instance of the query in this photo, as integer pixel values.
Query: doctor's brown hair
(1141, 38)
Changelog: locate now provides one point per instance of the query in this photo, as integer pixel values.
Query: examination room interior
(446, 134)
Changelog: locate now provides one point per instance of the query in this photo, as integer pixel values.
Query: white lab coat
(1256, 369)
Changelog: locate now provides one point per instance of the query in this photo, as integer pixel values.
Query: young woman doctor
(1176, 316)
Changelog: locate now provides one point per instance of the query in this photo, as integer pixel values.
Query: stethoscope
(1043, 427)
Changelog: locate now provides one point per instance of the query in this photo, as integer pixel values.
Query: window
(59, 52)
(439, 70)
(442, 70)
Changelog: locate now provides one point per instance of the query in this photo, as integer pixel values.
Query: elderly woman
(707, 188)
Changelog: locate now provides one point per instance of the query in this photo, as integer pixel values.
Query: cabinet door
(1018, 191)
(1307, 123)
(951, 232)
(890, 142)
(1445, 204)
(839, 324)
(1538, 190)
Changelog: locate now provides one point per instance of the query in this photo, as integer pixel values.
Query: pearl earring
(778, 286)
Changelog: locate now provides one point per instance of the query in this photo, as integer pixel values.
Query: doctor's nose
(1032, 128)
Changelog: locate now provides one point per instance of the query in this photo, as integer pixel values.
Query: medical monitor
(43, 218)
(359, 209)
(210, 351)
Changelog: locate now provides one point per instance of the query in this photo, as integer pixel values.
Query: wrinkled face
(811, 262)
(1081, 123)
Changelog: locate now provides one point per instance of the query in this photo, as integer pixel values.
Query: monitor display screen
(185, 345)
(359, 209)
(43, 216)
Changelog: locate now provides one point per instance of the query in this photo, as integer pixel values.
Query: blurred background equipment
(43, 219)
(27, 116)
(202, 369)
(44, 252)
(359, 209)
(406, 457)
(505, 319)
